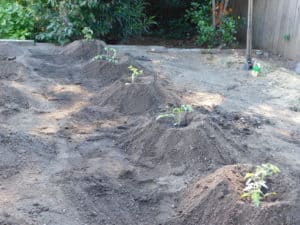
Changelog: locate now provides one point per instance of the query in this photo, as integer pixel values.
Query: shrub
(228, 30)
(174, 28)
(224, 34)
(108, 20)
(16, 21)
(63, 21)
(169, 15)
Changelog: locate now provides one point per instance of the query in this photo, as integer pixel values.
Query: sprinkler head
(249, 64)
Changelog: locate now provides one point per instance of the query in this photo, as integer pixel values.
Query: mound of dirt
(11, 70)
(103, 73)
(137, 98)
(83, 49)
(105, 201)
(18, 149)
(196, 147)
(10, 50)
(92, 119)
(9, 221)
(12, 98)
(216, 199)
(93, 114)
(237, 123)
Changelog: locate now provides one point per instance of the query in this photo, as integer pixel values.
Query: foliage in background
(225, 34)
(200, 15)
(62, 21)
(87, 33)
(65, 20)
(16, 21)
(169, 15)
(109, 20)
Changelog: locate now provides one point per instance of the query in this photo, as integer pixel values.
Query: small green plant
(256, 187)
(134, 72)
(177, 114)
(110, 55)
(287, 37)
(87, 33)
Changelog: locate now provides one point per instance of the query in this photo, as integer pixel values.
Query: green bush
(175, 28)
(228, 30)
(225, 34)
(207, 35)
(62, 21)
(16, 21)
(65, 20)
(109, 20)
(169, 14)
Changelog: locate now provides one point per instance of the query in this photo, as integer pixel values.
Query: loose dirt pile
(197, 147)
(83, 50)
(216, 199)
(11, 70)
(10, 51)
(18, 150)
(80, 145)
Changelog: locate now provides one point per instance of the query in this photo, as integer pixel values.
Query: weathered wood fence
(276, 25)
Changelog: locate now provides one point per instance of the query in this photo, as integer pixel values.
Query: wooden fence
(276, 25)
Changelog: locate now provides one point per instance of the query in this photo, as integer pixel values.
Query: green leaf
(255, 196)
(245, 195)
(249, 175)
(161, 116)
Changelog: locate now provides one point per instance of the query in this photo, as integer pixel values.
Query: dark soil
(80, 145)
(10, 51)
(83, 50)
(216, 199)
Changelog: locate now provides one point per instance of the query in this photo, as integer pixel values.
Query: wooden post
(214, 13)
(249, 35)
(226, 5)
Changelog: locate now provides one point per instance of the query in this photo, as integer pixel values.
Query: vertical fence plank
(290, 27)
(259, 18)
(277, 24)
(295, 33)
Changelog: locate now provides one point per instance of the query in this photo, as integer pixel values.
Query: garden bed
(80, 144)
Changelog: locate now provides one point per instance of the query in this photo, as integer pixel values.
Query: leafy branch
(87, 33)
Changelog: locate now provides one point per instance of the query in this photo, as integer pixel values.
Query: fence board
(272, 20)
